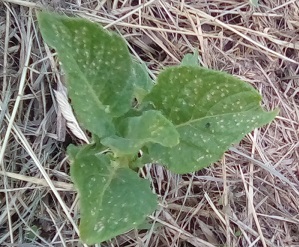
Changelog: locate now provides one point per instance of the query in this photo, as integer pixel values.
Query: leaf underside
(211, 110)
(98, 68)
(113, 199)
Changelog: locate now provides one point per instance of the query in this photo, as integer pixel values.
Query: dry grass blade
(38, 181)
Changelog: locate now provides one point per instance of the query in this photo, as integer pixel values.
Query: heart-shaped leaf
(113, 199)
(98, 68)
(151, 126)
(211, 110)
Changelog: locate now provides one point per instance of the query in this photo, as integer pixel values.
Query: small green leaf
(211, 110)
(254, 3)
(98, 68)
(93, 148)
(141, 80)
(238, 233)
(151, 126)
(190, 59)
(32, 233)
(113, 199)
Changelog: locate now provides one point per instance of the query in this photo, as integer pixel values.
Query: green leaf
(254, 3)
(211, 110)
(141, 80)
(31, 233)
(190, 59)
(113, 199)
(151, 126)
(98, 68)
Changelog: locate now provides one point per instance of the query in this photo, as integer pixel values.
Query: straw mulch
(249, 198)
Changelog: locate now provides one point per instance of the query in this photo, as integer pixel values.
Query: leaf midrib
(110, 178)
(189, 122)
(86, 81)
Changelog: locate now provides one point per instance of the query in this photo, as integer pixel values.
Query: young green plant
(185, 121)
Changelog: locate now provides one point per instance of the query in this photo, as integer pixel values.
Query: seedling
(185, 121)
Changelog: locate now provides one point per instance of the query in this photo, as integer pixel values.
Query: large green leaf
(98, 68)
(113, 199)
(211, 110)
(151, 126)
